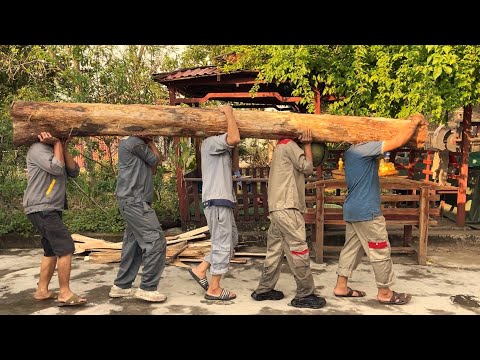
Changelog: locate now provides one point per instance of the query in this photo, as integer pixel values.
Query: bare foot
(385, 297)
(200, 275)
(46, 295)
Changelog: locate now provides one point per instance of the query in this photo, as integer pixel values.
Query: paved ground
(450, 284)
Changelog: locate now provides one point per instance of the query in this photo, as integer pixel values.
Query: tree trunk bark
(78, 119)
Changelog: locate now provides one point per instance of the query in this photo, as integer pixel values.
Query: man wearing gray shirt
(48, 165)
(143, 239)
(219, 200)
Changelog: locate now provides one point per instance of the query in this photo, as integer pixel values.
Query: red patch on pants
(300, 252)
(377, 244)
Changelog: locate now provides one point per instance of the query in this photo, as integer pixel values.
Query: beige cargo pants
(287, 236)
(368, 237)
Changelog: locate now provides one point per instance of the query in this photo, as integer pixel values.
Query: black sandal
(202, 282)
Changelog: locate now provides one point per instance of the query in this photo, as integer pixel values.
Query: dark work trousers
(143, 240)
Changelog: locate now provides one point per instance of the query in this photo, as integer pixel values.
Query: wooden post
(181, 191)
(263, 187)
(463, 178)
(255, 196)
(198, 155)
(319, 170)
(423, 225)
(172, 95)
(411, 164)
(428, 165)
(245, 197)
(319, 223)
(196, 202)
(317, 100)
(407, 234)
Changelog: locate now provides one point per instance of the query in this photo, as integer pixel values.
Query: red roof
(187, 73)
(190, 73)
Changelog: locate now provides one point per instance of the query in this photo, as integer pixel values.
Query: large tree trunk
(76, 119)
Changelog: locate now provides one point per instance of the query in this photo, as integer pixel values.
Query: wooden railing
(252, 197)
(409, 208)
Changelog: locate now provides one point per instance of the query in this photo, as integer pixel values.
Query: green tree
(389, 81)
(201, 55)
(75, 73)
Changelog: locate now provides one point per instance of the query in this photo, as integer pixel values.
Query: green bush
(15, 222)
(91, 209)
(166, 196)
(94, 220)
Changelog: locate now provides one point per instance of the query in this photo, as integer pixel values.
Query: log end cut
(419, 138)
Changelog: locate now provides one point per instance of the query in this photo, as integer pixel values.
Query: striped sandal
(202, 282)
(224, 295)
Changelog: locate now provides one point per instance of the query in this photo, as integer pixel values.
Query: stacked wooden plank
(191, 246)
(97, 250)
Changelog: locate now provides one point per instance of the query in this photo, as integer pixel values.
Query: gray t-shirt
(217, 169)
(47, 179)
(135, 178)
(361, 174)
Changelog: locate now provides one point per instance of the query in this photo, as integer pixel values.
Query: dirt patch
(23, 303)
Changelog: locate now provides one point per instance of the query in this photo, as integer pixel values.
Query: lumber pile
(191, 246)
(81, 119)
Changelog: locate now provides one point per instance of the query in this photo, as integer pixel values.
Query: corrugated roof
(187, 73)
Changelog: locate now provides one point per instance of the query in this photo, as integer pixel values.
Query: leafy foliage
(78, 73)
(186, 159)
(386, 81)
(379, 80)
(201, 55)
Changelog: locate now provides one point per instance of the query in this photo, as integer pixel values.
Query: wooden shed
(194, 86)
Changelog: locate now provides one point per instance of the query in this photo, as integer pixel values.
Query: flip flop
(224, 295)
(53, 296)
(397, 299)
(74, 300)
(350, 293)
(202, 282)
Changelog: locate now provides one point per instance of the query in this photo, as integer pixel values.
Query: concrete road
(450, 284)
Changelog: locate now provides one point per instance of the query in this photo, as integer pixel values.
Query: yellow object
(340, 164)
(49, 190)
(381, 167)
(386, 168)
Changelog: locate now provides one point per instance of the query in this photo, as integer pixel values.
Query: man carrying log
(219, 200)
(143, 239)
(366, 230)
(286, 234)
(48, 165)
